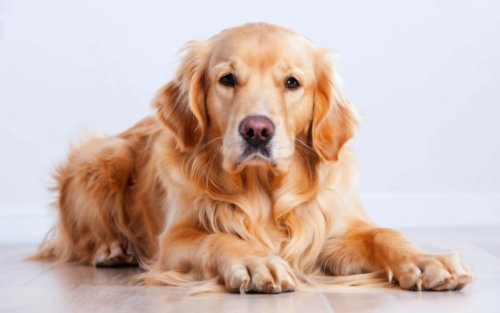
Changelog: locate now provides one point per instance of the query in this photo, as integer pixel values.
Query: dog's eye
(228, 80)
(292, 83)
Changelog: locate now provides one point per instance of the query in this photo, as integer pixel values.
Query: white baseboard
(24, 225)
(410, 210)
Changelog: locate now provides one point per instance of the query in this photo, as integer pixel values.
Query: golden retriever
(242, 176)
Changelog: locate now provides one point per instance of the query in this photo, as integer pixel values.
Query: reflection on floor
(40, 287)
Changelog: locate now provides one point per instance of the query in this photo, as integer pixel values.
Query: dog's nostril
(264, 133)
(250, 133)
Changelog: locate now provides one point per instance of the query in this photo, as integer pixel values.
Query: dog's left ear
(334, 120)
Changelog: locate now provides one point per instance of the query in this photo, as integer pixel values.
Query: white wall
(425, 74)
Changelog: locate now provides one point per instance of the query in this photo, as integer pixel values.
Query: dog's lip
(254, 156)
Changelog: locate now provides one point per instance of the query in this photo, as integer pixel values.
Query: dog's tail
(54, 247)
(306, 283)
(356, 282)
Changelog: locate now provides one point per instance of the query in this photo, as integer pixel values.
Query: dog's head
(259, 92)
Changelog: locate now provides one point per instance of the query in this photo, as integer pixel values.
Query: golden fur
(173, 194)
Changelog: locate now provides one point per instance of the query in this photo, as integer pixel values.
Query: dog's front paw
(259, 274)
(436, 272)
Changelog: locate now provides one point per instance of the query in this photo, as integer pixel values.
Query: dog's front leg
(242, 267)
(365, 247)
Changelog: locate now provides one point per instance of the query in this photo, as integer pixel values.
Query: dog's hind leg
(91, 187)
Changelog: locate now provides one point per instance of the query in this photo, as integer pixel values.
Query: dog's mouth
(255, 156)
(251, 150)
(262, 157)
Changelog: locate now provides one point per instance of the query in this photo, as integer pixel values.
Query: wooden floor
(38, 287)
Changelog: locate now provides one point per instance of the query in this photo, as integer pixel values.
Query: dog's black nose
(257, 130)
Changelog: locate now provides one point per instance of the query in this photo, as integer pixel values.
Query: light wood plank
(44, 287)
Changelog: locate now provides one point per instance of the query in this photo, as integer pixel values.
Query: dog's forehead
(261, 46)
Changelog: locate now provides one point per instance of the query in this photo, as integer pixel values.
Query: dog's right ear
(180, 105)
